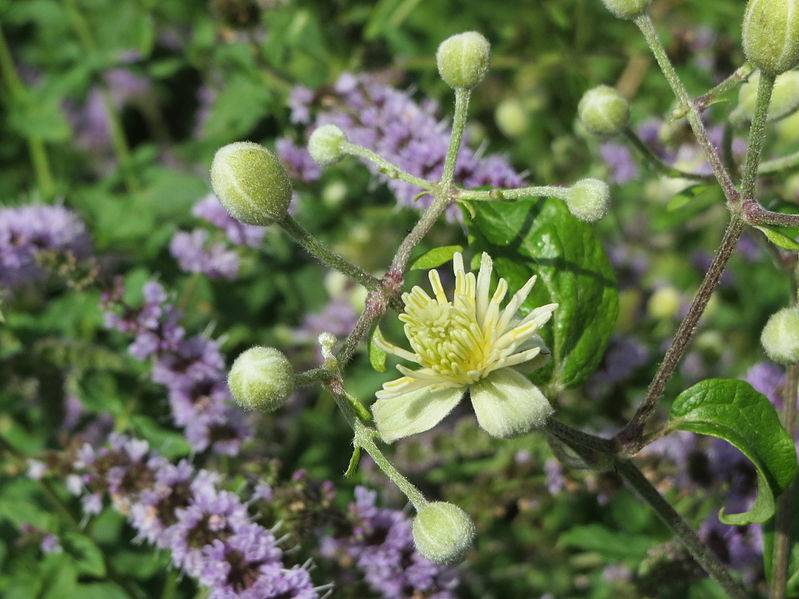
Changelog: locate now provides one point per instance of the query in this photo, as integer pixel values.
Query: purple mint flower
(26, 231)
(622, 357)
(300, 101)
(767, 378)
(555, 479)
(210, 209)
(620, 161)
(195, 253)
(298, 161)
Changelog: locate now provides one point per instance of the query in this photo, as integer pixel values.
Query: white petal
(414, 412)
(483, 284)
(390, 348)
(515, 303)
(438, 289)
(507, 404)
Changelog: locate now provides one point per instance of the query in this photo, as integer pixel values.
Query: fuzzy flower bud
(771, 35)
(604, 111)
(443, 532)
(664, 303)
(626, 9)
(325, 144)
(251, 183)
(780, 337)
(463, 59)
(588, 199)
(784, 97)
(261, 379)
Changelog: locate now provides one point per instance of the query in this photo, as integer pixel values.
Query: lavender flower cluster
(197, 251)
(27, 231)
(191, 368)
(388, 121)
(210, 534)
(381, 545)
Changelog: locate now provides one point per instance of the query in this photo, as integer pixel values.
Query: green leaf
(685, 196)
(612, 545)
(377, 357)
(541, 237)
(732, 410)
(99, 590)
(168, 443)
(779, 238)
(435, 257)
(88, 557)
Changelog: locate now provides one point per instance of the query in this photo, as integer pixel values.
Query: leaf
(87, 556)
(377, 357)
(541, 237)
(168, 443)
(732, 410)
(435, 257)
(612, 545)
(99, 590)
(779, 238)
(685, 196)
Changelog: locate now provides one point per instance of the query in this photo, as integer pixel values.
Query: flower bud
(626, 9)
(604, 111)
(784, 97)
(664, 303)
(771, 35)
(511, 118)
(325, 144)
(442, 532)
(463, 59)
(261, 379)
(251, 183)
(588, 199)
(780, 337)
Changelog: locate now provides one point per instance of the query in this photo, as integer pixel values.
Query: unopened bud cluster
(588, 199)
(462, 59)
(626, 9)
(604, 111)
(780, 337)
(261, 379)
(784, 97)
(326, 145)
(771, 35)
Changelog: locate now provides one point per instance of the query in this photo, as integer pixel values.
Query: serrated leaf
(377, 357)
(778, 238)
(732, 410)
(435, 257)
(541, 237)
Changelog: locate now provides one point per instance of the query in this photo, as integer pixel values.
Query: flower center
(447, 339)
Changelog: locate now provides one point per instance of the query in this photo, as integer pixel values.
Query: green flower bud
(780, 337)
(251, 183)
(604, 111)
(771, 35)
(261, 379)
(588, 199)
(463, 59)
(325, 144)
(664, 303)
(626, 9)
(784, 97)
(443, 532)
(511, 117)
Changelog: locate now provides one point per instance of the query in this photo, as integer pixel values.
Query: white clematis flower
(469, 343)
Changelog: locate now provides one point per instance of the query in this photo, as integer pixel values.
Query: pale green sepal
(507, 404)
(414, 412)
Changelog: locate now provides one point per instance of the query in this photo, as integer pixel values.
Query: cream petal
(413, 412)
(390, 348)
(483, 285)
(515, 303)
(507, 404)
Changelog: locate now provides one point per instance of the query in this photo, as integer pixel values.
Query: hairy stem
(740, 75)
(630, 439)
(388, 168)
(545, 191)
(782, 529)
(630, 473)
(657, 163)
(328, 257)
(644, 23)
(757, 137)
(458, 125)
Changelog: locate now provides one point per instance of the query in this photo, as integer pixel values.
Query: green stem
(389, 169)
(700, 552)
(704, 101)
(458, 125)
(782, 528)
(776, 165)
(326, 256)
(644, 23)
(757, 137)
(36, 147)
(657, 163)
(543, 191)
(630, 438)
(118, 140)
(170, 585)
(364, 438)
